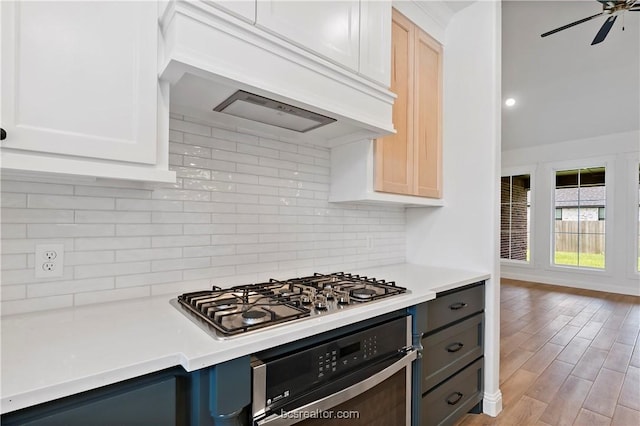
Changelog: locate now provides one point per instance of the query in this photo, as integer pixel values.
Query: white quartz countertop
(52, 354)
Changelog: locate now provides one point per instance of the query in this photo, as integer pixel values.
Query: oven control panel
(297, 373)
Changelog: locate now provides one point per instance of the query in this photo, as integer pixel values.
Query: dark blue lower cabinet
(157, 399)
(221, 395)
(214, 396)
(448, 374)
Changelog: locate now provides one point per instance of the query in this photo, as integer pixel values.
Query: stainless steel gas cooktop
(246, 308)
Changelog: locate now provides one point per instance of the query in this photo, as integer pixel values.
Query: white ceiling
(565, 88)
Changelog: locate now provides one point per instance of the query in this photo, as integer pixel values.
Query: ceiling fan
(613, 8)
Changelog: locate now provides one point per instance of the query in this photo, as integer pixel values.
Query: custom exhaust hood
(227, 71)
(268, 111)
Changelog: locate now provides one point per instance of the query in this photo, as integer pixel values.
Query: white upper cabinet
(245, 9)
(375, 41)
(80, 79)
(328, 28)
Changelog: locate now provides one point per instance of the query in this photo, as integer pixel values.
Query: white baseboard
(577, 283)
(492, 403)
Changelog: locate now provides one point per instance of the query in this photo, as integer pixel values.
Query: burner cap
(363, 293)
(285, 292)
(224, 306)
(343, 300)
(253, 317)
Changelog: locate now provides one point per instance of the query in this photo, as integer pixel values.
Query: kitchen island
(53, 354)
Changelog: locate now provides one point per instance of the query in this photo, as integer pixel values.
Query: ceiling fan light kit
(613, 8)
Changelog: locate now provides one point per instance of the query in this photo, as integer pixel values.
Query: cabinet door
(394, 153)
(375, 40)
(328, 28)
(80, 78)
(161, 402)
(428, 117)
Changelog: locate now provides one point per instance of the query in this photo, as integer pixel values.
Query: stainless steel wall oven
(360, 377)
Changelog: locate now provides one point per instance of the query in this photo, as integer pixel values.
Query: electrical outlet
(49, 260)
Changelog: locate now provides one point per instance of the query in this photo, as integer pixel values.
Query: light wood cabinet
(410, 161)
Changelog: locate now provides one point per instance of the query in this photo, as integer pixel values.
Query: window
(579, 235)
(558, 214)
(514, 217)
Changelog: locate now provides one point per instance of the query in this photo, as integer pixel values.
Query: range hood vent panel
(268, 111)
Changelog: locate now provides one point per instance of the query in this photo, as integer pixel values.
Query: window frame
(518, 171)
(632, 222)
(608, 163)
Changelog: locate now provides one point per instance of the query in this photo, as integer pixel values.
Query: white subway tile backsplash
(208, 185)
(192, 150)
(180, 240)
(13, 230)
(191, 172)
(257, 170)
(148, 254)
(188, 127)
(129, 230)
(169, 217)
(8, 199)
(244, 208)
(39, 201)
(13, 261)
(24, 276)
(88, 257)
(212, 143)
(14, 246)
(181, 194)
(93, 216)
(112, 243)
(210, 229)
(211, 164)
(278, 145)
(207, 273)
(56, 230)
(146, 279)
(180, 264)
(69, 287)
(35, 187)
(196, 206)
(98, 191)
(13, 292)
(149, 205)
(111, 269)
(278, 165)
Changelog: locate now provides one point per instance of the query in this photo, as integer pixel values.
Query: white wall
(619, 152)
(244, 208)
(464, 233)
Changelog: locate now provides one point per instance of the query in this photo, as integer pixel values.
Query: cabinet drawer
(454, 306)
(448, 350)
(446, 403)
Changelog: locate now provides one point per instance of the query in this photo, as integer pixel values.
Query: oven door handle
(344, 395)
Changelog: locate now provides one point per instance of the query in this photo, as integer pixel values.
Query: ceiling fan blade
(564, 27)
(604, 30)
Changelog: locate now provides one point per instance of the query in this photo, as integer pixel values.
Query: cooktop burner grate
(245, 308)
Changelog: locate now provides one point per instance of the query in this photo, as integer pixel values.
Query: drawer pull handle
(457, 305)
(457, 396)
(3, 134)
(454, 347)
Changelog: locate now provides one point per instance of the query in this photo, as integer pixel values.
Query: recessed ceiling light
(510, 102)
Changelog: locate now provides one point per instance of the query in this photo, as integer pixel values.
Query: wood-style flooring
(567, 357)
